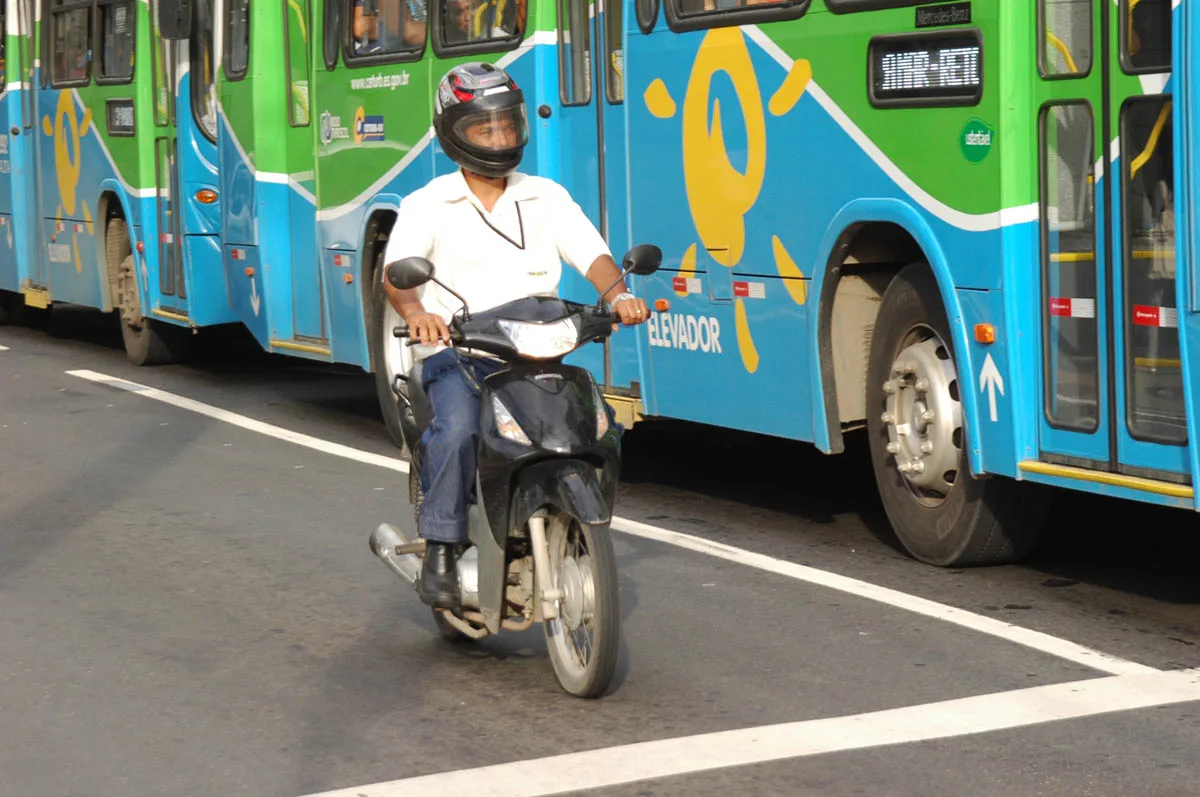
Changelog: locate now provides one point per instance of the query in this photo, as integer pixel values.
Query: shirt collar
(519, 188)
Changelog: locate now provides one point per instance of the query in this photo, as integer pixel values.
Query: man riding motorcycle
(495, 235)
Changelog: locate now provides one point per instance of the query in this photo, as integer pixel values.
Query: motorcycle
(539, 547)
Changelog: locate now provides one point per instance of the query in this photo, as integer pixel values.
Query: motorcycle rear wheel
(584, 567)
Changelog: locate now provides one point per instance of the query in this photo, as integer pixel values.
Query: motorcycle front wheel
(584, 638)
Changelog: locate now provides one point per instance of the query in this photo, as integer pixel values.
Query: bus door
(1112, 378)
(195, 190)
(591, 125)
(308, 295)
(171, 283)
(10, 118)
(27, 218)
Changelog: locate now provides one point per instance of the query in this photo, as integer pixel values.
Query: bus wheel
(941, 514)
(147, 340)
(11, 305)
(392, 357)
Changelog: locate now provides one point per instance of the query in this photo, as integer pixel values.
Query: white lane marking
(610, 766)
(1045, 643)
(1037, 640)
(246, 423)
(3, 348)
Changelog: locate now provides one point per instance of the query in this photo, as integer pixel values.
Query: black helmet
(479, 118)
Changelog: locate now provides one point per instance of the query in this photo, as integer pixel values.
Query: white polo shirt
(512, 252)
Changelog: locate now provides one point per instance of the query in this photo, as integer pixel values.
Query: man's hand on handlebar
(630, 312)
(427, 328)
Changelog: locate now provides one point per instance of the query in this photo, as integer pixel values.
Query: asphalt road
(190, 608)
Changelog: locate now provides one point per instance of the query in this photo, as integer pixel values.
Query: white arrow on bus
(255, 301)
(991, 381)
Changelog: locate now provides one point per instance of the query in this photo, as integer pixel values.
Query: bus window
(1155, 408)
(116, 47)
(387, 28)
(296, 44)
(1068, 212)
(70, 36)
(701, 8)
(4, 44)
(614, 70)
(575, 52)
(1065, 27)
(204, 87)
(237, 39)
(476, 21)
(1145, 35)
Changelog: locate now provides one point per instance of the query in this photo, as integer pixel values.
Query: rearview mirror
(175, 19)
(409, 273)
(643, 260)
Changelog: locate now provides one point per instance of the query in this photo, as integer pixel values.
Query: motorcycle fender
(569, 485)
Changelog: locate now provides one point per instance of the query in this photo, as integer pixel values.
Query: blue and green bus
(961, 229)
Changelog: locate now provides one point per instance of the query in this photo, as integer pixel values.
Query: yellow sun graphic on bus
(720, 196)
(66, 129)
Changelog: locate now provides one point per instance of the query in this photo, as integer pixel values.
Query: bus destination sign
(926, 69)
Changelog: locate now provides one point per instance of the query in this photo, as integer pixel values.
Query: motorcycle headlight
(507, 425)
(542, 340)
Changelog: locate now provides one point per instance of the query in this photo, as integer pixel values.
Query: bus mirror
(175, 19)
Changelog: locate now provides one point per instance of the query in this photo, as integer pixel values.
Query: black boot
(438, 586)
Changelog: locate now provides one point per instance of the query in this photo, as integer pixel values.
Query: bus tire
(147, 340)
(941, 514)
(11, 307)
(388, 356)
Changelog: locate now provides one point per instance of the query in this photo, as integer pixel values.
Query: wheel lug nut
(887, 417)
(927, 447)
(918, 467)
(893, 448)
(922, 385)
(889, 386)
(928, 416)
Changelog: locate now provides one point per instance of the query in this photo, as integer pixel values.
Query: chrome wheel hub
(923, 417)
(575, 581)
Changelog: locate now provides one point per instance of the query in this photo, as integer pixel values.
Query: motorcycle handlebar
(401, 330)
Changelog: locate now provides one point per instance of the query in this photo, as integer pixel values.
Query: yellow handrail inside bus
(1151, 145)
(1135, 44)
(1061, 46)
(1072, 257)
(295, 6)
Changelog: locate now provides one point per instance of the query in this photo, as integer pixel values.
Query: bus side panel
(10, 117)
(239, 231)
(751, 255)
(276, 249)
(74, 162)
(307, 282)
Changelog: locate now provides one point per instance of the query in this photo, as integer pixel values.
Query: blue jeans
(450, 443)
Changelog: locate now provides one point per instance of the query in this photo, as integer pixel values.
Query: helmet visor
(494, 130)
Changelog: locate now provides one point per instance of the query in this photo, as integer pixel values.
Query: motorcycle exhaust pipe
(384, 541)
